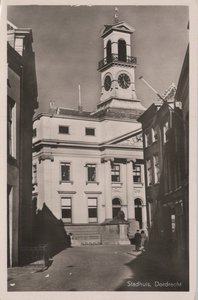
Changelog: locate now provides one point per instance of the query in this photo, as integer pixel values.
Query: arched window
(108, 51)
(116, 206)
(138, 211)
(121, 50)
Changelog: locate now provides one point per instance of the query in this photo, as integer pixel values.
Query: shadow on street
(152, 273)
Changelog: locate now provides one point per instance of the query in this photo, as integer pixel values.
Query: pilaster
(107, 188)
(129, 185)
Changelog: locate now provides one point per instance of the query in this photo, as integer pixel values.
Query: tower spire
(116, 18)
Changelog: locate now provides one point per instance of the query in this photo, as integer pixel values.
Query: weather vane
(116, 15)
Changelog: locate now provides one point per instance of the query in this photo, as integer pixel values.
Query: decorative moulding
(67, 192)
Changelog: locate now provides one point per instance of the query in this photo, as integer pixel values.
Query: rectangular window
(165, 173)
(34, 132)
(34, 174)
(65, 171)
(148, 138)
(154, 134)
(89, 131)
(11, 138)
(64, 129)
(149, 172)
(178, 171)
(115, 173)
(91, 172)
(136, 173)
(92, 210)
(165, 129)
(66, 210)
(156, 168)
(173, 223)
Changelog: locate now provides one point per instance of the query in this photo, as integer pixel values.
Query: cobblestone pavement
(98, 268)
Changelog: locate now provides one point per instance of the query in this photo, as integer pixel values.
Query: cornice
(87, 145)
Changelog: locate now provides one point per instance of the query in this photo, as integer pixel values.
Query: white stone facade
(114, 142)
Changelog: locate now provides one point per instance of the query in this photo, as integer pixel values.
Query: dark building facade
(21, 103)
(165, 131)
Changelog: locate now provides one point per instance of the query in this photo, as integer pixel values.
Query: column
(107, 189)
(144, 218)
(114, 47)
(129, 185)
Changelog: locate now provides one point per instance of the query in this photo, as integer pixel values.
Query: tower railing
(115, 58)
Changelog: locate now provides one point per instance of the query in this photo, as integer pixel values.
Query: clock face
(124, 81)
(107, 83)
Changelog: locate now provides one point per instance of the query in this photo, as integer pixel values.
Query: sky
(68, 47)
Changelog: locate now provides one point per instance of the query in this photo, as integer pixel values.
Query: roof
(150, 112)
(11, 26)
(72, 112)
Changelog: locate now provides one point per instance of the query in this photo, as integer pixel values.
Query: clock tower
(117, 70)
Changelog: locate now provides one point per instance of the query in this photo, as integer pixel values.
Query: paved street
(94, 268)
(88, 268)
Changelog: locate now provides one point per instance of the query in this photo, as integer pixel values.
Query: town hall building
(88, 166)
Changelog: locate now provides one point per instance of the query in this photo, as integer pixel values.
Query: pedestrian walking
(70, 239)
(143, 240)
(137, 240)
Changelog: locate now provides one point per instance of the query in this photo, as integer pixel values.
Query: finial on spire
(116, 18)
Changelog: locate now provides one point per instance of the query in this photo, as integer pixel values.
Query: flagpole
(79, 98)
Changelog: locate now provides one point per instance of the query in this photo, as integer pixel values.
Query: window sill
(138, 183)
(63, 181)
(150, 185)
(88, 182)
(93, 223)
(117, 183)
(153, 184)
(64, 133)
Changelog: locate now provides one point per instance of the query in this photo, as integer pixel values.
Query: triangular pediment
(121, 26)
(124, 26)
(131, 139)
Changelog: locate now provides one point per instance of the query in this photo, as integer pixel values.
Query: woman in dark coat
(143, 239)
(137, 240)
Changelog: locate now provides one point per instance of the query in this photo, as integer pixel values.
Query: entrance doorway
(138, 211)
(116, 206)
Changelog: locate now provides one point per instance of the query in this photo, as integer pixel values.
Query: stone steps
(88, 234)
(84, 234)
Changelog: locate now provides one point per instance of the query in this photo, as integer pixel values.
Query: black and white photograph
(98, 113)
